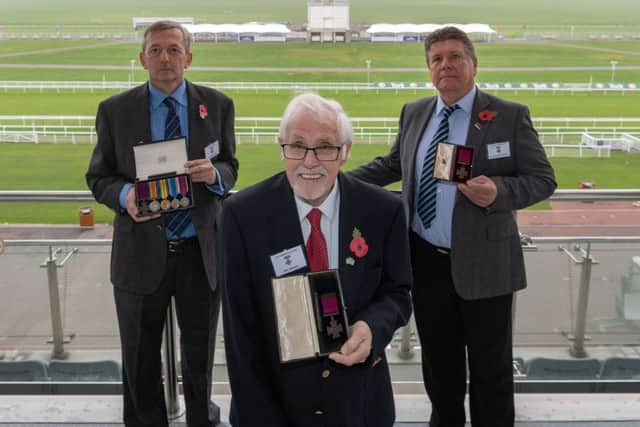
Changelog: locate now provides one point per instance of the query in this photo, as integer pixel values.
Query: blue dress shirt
(439, 233)
(158, 114)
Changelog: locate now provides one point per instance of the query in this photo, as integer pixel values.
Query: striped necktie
(427, 189)
(175, 222)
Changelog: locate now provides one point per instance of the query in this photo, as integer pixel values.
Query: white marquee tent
(251, 31)
(412, 32)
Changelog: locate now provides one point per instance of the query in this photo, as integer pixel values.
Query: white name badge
(498, 150)
(212, 150)
(288, 260)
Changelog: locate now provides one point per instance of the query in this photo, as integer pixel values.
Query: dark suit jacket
(486, 257)
(139, 249)
(261, 221)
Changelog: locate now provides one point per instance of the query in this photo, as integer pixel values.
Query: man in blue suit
(364, 238)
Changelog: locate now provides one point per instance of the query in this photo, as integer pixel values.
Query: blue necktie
(427, 189)
(176, 222)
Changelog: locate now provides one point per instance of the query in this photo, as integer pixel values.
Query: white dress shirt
(329, 222)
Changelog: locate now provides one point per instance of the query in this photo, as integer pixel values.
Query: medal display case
(311, 316)
(453, 162)
(162, 184)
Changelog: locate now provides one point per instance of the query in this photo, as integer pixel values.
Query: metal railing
(414, 86)
(561, 131)
(405, 351)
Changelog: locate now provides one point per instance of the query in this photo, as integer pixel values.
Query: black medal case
(162, 184)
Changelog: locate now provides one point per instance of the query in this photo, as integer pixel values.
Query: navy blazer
(263, 220)
(139, 249)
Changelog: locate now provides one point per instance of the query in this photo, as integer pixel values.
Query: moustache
(320, 170)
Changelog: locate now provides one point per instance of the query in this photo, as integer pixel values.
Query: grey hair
(324, 109)
(163, 25)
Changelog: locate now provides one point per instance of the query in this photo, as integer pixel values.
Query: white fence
(377, 87)
(615, 133)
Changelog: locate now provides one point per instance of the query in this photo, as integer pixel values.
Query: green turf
(392, 55)
(383, 104)
(62, 167)
(498, 12)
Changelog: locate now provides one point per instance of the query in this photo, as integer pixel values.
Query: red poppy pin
(203, 111)
(487, 116)
(358, 245)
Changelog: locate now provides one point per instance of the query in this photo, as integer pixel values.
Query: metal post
(406, 351)
(54, 305)
(577, 349)
(613, 70)
(368, 62)
(170, 364)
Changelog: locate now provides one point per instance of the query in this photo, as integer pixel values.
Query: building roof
(247, 28)
(426, 28)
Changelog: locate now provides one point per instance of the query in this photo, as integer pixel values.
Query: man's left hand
(357, 348)
(201, 170)
(481, 190)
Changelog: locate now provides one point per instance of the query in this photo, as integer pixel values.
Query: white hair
(324, 108)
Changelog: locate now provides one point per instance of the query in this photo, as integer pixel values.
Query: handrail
(86, 196)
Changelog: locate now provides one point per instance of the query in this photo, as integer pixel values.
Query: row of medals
(166, 204)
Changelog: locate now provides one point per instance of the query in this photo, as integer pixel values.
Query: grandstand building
(328, 21)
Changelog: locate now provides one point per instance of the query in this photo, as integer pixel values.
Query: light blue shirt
(158, 115)
(439, 232)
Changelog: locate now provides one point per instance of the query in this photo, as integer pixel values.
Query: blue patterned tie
(177, 221)
(426, 205)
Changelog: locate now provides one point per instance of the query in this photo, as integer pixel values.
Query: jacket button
(326, 373)
(159, 227)
(319, 412)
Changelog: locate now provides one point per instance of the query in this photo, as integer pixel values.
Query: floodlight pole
(613, 70)
(133, 63)
(368, 62)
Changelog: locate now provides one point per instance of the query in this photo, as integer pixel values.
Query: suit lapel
(347, 214)
(140, 114)
(282, 222)
(198, 135)
(477, 130)
(413, 138)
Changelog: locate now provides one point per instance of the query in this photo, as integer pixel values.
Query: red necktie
(316, 245)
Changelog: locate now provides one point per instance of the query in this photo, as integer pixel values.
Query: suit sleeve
(254, 398)
(226, 162)
(391, 305)
(534, 179)
(102, 176)
(387, 169)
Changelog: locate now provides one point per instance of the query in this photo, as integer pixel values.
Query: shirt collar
(157, 96)
(328, 207)
(465, 103)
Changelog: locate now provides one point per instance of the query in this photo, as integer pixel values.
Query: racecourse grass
(385, 55)
(270, 103)
(62, 167)
(520, 14)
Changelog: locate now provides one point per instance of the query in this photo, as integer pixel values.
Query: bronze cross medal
(334, 329)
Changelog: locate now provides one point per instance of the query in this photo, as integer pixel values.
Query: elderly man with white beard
(333, 222)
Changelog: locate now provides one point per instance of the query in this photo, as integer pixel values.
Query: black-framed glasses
(322, 153)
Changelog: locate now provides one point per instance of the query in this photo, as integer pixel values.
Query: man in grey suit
(466, 255)
(158, 257)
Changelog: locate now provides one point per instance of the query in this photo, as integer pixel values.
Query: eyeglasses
(322, 153)
(171, 51)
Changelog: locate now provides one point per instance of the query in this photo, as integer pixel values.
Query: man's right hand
(132, 209)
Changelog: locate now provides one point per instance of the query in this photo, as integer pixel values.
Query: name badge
(498, 150)
(212, 150)
(288, 260)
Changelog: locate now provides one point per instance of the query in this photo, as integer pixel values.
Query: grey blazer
(139, 249)
(486, 257)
